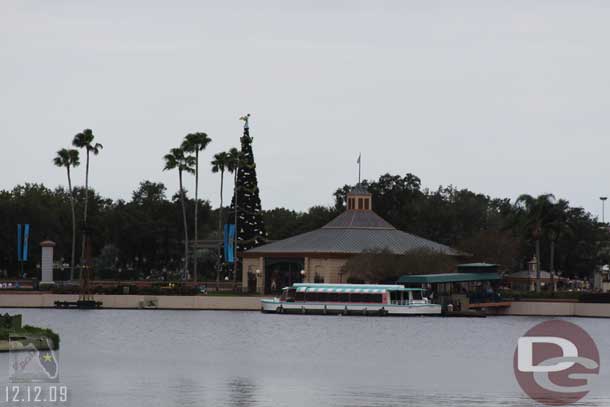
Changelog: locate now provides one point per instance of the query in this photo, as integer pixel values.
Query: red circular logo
(555, 362)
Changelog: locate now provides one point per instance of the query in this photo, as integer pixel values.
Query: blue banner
(229, 243)
(26, 238)
(19, 252)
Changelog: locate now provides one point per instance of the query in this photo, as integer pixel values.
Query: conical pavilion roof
(352, 232)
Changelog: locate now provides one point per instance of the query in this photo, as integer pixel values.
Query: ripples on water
(199, 358)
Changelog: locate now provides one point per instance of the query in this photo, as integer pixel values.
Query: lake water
(212, 358)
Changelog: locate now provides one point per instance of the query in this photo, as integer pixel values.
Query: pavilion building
(319, 255)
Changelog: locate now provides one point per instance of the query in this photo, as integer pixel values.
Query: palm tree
(194, 143)
(557, 226)
(235, 159)
(69, 158)
(84, 140)
(535, 215)
(176, 159)
(220, 164)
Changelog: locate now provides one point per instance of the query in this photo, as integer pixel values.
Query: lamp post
(603, 199)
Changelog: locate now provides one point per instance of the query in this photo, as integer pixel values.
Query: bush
(595, 298)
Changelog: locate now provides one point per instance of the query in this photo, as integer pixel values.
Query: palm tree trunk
(235, 248)
(537, 265)
(196, 208)
(186, 232)
(220, 234)
(552, 265)
(86, 206)
(73, 258)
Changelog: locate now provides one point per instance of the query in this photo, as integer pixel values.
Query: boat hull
(280, 307)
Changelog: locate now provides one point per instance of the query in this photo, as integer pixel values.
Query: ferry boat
(351, 299)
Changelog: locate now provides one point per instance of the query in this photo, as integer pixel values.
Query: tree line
(144, 237)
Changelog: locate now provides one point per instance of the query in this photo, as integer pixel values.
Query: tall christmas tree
(250, 226)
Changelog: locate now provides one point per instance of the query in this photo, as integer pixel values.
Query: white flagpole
(359, 167)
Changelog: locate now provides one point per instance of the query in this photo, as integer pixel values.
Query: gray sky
(501, 97)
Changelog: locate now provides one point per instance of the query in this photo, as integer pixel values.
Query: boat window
(375, 298)
(416, 295)
(300, 296)
(290, 294)
(343, 297)
(312, 297)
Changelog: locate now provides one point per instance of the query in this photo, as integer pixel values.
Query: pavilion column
(260, 277)
(307, 278)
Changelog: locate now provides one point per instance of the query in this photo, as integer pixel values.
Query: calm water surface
(201, 358)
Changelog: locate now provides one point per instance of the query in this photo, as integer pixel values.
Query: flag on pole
(359, 158)
(229, 243)
(26, 239)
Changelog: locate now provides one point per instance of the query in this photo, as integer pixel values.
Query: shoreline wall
(238, 303)
(556, 309)
(137, 302)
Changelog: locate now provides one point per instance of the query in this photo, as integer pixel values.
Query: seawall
(202, 302)
(239, 303)
(556, 309)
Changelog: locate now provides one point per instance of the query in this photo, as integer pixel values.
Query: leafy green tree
(177, 159)
(85, 140)
(68, 159)
(194, 143)
(383, 266)
(221, 163)
(106, 262)
(535, 215)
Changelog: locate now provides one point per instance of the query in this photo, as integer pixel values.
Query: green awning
(448, 278)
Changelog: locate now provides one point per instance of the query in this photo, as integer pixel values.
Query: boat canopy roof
(349, 288)
(448, 278)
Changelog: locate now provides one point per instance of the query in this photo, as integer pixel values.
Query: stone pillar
(46, 266)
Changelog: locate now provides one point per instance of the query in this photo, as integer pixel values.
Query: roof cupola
(359, 199)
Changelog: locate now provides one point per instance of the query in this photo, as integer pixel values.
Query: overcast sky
(501, 97)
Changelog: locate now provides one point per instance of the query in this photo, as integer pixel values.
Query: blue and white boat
(351, 299)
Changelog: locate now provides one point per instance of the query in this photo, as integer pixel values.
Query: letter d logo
(554, 361)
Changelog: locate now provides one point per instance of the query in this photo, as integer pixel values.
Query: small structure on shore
(525, 280)
(472, 285)
(46, 267)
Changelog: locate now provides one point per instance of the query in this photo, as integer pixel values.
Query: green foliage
(106, 262)
(483, 226)
(382, 266)
(282, 223)
(146, 227)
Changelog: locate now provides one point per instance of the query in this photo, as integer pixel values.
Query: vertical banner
(19, 251)
(229, 243)
(26, 238)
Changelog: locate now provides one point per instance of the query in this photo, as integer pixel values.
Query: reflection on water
(172, 358)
